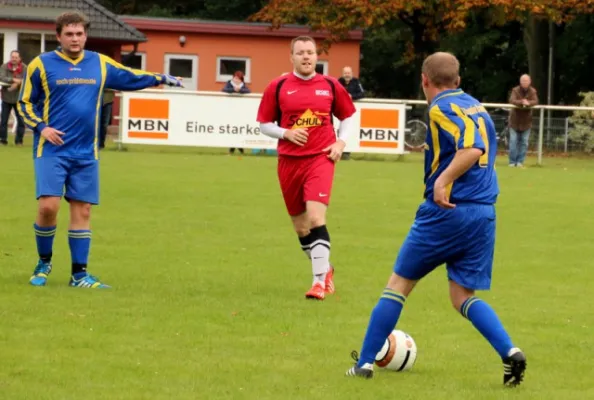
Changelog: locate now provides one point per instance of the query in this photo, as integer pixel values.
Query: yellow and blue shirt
(459, 121)
(67, 94)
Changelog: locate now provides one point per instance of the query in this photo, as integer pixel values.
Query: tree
(229, 10)
(427, 20)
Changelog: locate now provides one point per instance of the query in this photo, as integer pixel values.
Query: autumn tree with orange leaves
(426, 19)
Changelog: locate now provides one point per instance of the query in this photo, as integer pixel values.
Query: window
(181, 67)
(135, 61)
(29, 45)
(226, 67)
(322, 67)
(185, 66)
(50, 43)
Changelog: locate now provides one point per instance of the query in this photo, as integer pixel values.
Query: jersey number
(484, 160)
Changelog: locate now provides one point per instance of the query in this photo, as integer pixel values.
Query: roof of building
(224, 27)
(104, 23)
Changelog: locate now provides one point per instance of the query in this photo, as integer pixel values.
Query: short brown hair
(301, 39)
(239, 75)
(442, 69)
(72, 17)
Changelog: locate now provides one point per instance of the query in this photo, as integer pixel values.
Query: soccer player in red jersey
(303, 105)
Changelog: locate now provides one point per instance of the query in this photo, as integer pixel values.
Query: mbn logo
(378, 134)
(148, 125)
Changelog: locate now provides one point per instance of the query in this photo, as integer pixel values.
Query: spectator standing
(355, 90)
(11, 73)
(524, 97)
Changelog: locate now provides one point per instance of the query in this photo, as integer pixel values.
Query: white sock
(320, 260)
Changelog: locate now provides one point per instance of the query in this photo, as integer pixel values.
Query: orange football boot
(329, 282)
(316, 292)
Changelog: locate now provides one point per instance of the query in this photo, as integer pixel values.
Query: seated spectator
(236, 85)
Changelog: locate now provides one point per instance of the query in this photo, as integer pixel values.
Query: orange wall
(269, 55)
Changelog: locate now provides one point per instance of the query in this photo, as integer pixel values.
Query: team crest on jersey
(308, 119)
(322, 93)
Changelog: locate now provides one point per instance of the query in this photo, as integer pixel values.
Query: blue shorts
(69, 177)
(463, 238)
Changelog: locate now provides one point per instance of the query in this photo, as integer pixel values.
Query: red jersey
(307, 104)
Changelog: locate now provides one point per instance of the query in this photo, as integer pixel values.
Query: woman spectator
(236, 85)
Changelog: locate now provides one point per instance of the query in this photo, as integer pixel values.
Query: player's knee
(317, 220)
(301, 225)
(459, 294)
(316, 214)
(302, 232)
(81, 211)
(400, 284)
(48, 208)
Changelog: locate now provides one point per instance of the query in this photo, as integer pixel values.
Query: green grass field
(209, 281)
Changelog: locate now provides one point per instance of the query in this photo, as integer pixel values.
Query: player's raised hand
(172, 80)
(440, 196)
(335, 150)
(52, 135)
(297, 136)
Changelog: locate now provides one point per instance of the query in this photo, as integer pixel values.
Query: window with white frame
(227, 66)
(135, 61)
(50, 43)
(322, 67)
(31, 44)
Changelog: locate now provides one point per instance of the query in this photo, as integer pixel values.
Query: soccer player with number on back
(455, 225)
(303, 104)
(60, 100)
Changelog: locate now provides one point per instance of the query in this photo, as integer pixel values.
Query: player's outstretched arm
(30, 95)
(120, 77)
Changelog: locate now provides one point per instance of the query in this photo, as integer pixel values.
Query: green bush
(582, 131)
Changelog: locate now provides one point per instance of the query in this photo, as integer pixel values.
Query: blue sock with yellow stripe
(44, 237)
(80, 244)
(383, 319)
(485, 320)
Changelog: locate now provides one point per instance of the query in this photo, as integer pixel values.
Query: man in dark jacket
(355, 89)
(524, 97)
(11, 75)
(351, 84)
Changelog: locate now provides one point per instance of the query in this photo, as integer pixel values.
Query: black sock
(306, 244)
(46, 258)
(76, 268)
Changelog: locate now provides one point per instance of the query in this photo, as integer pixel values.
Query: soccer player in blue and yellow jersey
(455, 225)
(60, 100)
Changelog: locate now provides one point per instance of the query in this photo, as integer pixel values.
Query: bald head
(442, 70)
(525, 81)
(347, 73)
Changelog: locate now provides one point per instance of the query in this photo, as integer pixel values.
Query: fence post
(120, 123)
(566, 134)
(540, 135)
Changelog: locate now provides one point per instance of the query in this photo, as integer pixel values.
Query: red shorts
(305, 179)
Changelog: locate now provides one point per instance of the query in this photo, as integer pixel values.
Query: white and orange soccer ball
(399, 352)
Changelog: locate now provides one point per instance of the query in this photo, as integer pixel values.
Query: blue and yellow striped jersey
(458, 121)
(67, 94)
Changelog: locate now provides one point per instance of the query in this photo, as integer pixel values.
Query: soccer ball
(398, 353)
